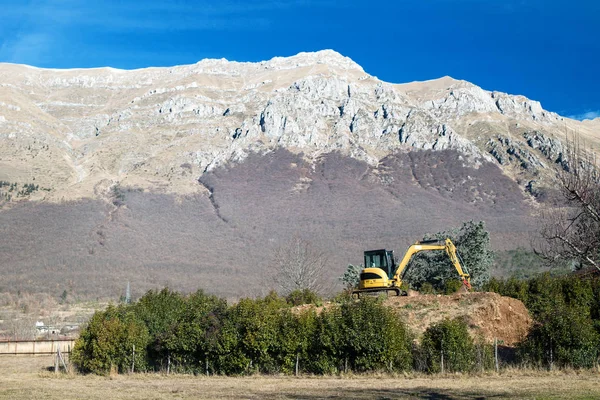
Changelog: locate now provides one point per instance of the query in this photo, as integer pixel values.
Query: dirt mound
(488, 314)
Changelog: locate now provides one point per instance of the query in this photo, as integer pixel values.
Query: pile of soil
(488, 314)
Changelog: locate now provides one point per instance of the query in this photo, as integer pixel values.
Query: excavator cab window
(380, 259)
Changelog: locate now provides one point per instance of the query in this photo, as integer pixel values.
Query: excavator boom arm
(452, 253)
(412, 250)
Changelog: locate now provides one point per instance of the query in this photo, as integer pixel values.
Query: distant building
(46, 329)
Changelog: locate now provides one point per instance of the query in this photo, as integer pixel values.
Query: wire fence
(34, 347)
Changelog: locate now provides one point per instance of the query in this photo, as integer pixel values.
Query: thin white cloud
(586, 115)
(27, 48)
(153, 14)
(34, 31)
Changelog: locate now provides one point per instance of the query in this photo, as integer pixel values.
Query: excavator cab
(383, 259)
(378, 274)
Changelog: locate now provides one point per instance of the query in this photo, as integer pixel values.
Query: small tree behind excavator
(382, 275)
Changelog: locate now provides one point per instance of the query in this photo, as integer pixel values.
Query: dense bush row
(202, 334)
(198, 333)
(566, 313)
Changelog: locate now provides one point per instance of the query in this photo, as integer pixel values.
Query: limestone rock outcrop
(70, 130)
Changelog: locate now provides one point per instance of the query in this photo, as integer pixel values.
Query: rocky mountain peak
(326, 57)
(77, 130)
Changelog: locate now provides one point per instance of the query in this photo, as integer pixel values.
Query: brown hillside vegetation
(92, 248)
(488, 314)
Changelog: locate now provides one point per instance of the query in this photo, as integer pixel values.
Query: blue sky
(546, 50)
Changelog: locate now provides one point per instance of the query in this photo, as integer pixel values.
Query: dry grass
(18, 315)
(27, 378)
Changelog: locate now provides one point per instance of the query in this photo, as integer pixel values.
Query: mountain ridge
(217, 111)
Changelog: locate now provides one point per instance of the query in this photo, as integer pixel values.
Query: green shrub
(565, 338)
(351, 277)
(108, 342)
(303, 296)
(191, 339)
(565, 313)
(160, 312)
(450, 338)
(512, 287)
(326, 347)
(256, 324)
(595, 304)
(427, 288)
(452, 286)
(296, 332)
(374, 337)
(484, 355)
(227, 356)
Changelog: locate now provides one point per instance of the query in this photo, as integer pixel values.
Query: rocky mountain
(191, 175)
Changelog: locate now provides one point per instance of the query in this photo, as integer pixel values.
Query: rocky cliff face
(77, 133)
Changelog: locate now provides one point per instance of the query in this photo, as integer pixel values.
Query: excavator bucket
(467, 284)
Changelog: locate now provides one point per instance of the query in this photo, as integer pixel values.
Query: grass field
(29, 378)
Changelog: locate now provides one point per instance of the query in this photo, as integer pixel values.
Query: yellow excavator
(382, 275)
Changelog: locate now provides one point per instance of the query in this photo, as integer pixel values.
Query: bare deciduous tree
(300, 265)
(572, 232)
(20, 326)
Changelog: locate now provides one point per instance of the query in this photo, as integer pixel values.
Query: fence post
(61, 357)
(133, 359)
(297, 361)
(496, 354)
(480, 356)
(206, 365)
(551, 360)
(442, 355)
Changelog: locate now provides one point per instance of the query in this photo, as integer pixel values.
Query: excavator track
(374, 291)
